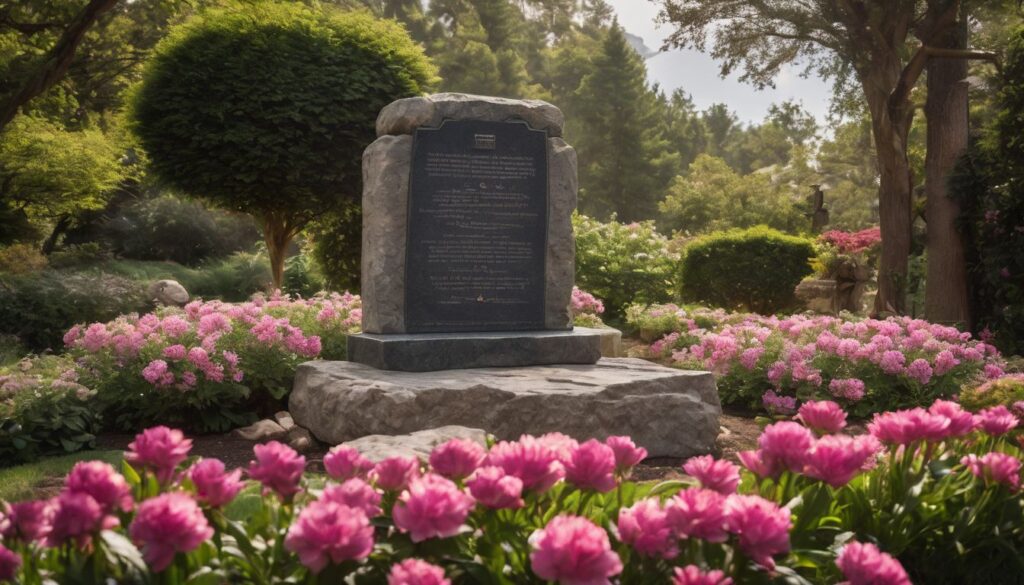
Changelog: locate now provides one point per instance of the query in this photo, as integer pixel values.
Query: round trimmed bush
(756, 269)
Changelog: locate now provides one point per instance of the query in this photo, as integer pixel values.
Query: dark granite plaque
(477, 228)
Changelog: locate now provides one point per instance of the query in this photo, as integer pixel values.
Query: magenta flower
(761, 526)
(344, 462)
(851, 389)
(627, 454)
(493, 488)
(355, 493)
(278, 467)
(718, 475)
(416, 572)
(28, 521)
(155, 372)
(692, 575)
(99, 480)
(431, 507)
(758, 465)
(903, 427)
(78, 516)
(645, 527)
(10, 562)
(892, 362)
(573, 551)
(592, 467)
(995, 467)
(328, 532)
(823, 416)
(997, 420)
(961, 422)
(697, 513)
(214, 487)
(563, 445)
(159, 449)
(920, 370)
(785, 444)
(864, 564)
(778, 404)
(535, 463)
(457, 458)
(166, 525)
(394, 473)
(836, 459)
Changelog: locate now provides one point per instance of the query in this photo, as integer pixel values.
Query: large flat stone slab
(429, 352)
(377, 448)
(672, 413)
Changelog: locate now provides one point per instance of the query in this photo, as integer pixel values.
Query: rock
(285, 420)
(168, 292)
(261, 431)
(611, 342)
(300, 439)
(560, 263)
(671, 412)
(405, 115)
(418, 444)
(818, 295)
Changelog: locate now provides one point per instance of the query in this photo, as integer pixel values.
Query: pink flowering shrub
(205, 366)
(853, 242)
(586, 309)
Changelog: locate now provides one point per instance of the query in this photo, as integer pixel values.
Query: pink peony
(431, 507)
(718, 475)
(535, 463)
(823, 416)
(78, 516)
(155, 372)
(903, 427)
(697, 513)
(394, 473)
(344, 462)
(920, 370)
(573, 551)
(785, 444)
(10, 562)
(159, 449)
(592, 467)
(214, 487)
(836, 459)
(961, 422)
(99, 480)
(645, 527)
(850, 389)
(416, 572)
(166, 525)
(864, 564)
(761, 525)
(892, 362)
(563, 445)
(995, 467)
(493, 488)
(28, 521)
(355, 493)
(692, 575)
(457, 458)
(757, 464)
(627, 454)
(278, 467)
(175, 352)
(997, 420)
(326, 532)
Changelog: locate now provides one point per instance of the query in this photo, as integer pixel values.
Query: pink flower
(355, 493)
(174, 326)
(563, 445)
(28, 521)
(718, 475)
(10, 561)
(762, 527)
(778, 404)
(457, 458)
(214, 487)
(904, 427)
(944, 362)
(278, 467)
(72, 335)
(431, 507)
(785, 444)
(627, 454)
(78, 516)
(328, 532)
(749, 357)
(344, 462)
(493, 488)
(573, 551)
(697, 513)
(592, 467)
(864, 564)
(416, 572)
(822, 416)
(99, 480)
(692, 575)
(997, 420)
(645, 527)
(96, 337)
(892, 362)
(535, 463)
(395, 473)
(836, 459)
(175, 352)
(168, 524)
(920, 370)
(851, 389)
(758, 465)
(995, 467)
(155, 372)
(213, 323)
(160, 449)
(961, 422)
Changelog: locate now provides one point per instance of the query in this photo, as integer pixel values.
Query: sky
(697, 73)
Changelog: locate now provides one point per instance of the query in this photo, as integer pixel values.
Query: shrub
(816, 506)
(336, 247)
(78, 255)
(1007, 391)
(622, 263)
(586, 309)
(755, 269)
(210, 366)
(21, 259)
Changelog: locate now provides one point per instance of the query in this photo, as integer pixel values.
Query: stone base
(430, 352)
(670, 412)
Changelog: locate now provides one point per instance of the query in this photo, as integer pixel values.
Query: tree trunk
(59, 228)
(278, 234)
(946, 296)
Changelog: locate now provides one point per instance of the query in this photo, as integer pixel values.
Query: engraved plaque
(477, 228)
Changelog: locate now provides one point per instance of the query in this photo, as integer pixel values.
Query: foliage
(211, 365)
(847, 255)
(586, 309)
(1007, 391)
(21, 259)
(337, 247)
(622, 263)
(757, 269)
(653, 322)
(78, 256)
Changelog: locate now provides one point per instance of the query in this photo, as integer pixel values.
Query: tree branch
(915, 67)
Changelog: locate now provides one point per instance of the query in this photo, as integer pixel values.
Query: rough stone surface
(168, 292)
(284, 419)
(673, 413)
(300, 439)
(818, 295)
(262, 430)
(419, 444)
(560, 266)
(428, 352)
(611, 342)
(405, 115)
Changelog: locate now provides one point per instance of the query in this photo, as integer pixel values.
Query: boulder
(168, 292)
(405, 115)
(671, 412)
(300, 439)
(262, 431)
(418, 444)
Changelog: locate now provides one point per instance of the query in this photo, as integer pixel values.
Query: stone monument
(467, 276)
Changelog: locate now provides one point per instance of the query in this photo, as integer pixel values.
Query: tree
(267, 109)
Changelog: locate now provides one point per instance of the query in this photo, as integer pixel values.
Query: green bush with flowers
(1006, 390)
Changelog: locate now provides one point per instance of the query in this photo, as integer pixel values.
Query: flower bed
(869, 365)
(816, 506)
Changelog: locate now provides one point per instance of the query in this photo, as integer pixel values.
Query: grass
(40, 479)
